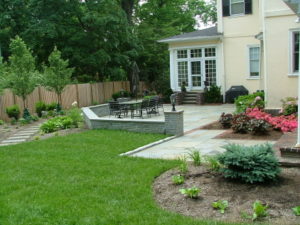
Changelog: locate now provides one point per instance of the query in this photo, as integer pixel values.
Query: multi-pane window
(211, 72)
(210, 52)
(254, 61)
(196, 53)
(182, 68)
(194, 66)
(237, 7)
(295, 51)
(182, 54)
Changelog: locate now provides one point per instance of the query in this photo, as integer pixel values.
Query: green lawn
(80, 179)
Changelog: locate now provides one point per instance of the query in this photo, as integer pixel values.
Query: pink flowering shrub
(284, 123)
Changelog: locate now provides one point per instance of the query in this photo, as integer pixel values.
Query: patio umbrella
(135, 79)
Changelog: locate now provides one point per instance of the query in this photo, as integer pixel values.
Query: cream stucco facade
(268, 28)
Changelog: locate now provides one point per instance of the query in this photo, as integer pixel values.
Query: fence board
(85, 94)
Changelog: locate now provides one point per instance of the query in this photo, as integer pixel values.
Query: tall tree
(22, 76)
(57, 75)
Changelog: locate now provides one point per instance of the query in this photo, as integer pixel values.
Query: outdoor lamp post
(173, 101)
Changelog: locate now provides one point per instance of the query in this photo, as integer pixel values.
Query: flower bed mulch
(280, 196)
(273, 135)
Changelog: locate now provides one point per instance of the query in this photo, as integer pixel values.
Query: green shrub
(183, 88)
(240, 123)
(1, 122)
(289, 106)
(120, 94)
(51, 107)
(75, 115)
(253, 164)
(213, 163)
(196, 157)
(13, 112)
(213, 94)
(221, 205)
(23, 121)
(226, 120)
(34, 118)
(296, 210)
(40, 107)
(57, 123)
(249, 101)
(258, 126)
(13, 121)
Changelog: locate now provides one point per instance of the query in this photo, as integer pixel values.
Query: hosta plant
(259, 210)
(296, 210)
(221, 205)
(226, 120)
(190, 192)
(178, 179)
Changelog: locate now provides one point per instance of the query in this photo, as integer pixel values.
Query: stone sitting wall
(95, 119)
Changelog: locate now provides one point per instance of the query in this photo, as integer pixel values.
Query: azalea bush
(283, 123)
(240, 123)
(255, 100)
(289, 106)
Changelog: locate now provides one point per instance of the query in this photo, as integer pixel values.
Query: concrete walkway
(22, 135)
(194, 138)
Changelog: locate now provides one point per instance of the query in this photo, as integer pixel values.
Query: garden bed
(273, 135)
(280, 197)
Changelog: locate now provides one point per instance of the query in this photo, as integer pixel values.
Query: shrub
(23, 121)
(255, 100)
(225, 120)
(51, 107)
(57, 123)
(34, 118)
(120, 94)
(296, 210)
(258, 126)
(213, 94)
(254, 164)
(190, 192)
(75, 115)
(1, 122)
(289, 106)
(40, 107)
(240, 123)
(283, 123)
(183, 88)
(13, 112)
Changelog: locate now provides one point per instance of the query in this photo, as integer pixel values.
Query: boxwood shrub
(249, 164)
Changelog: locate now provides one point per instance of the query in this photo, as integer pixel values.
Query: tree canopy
(101, 38)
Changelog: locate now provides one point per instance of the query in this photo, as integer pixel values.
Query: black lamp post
(173, 101)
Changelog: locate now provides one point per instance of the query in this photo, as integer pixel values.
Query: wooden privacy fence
(84, 94)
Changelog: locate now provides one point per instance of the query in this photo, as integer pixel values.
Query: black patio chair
(117, 110)
(152, 107)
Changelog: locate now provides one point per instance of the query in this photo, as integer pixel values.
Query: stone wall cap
(176, 112)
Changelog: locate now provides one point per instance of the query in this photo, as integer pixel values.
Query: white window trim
(291, 73)
(249, 77)
(237, 14)
(189, 60)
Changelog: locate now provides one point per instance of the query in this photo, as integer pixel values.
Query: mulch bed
(280, 196)
(273, 135)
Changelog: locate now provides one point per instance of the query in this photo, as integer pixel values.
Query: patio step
(190, 98)
(189, 102)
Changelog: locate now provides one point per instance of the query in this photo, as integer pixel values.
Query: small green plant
(13, 121)
(183, 166)
(296, 210)
(57, 123)
(178, 179)
(190, 192)
(95, 103)
(221, 205)
(40, 106)
(75, 115)
(255, 100)
(1, 122)
(213, 163)
(289, 106)
(259, 210)
(36, 138)
(23, 121)
(196, 157)
(51, 106)
(34, 118)
(13, 112)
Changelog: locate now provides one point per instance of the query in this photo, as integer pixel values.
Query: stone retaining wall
(94, 118)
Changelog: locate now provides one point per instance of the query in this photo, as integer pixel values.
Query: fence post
(77, 94)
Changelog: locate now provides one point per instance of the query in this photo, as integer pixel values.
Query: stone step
(190, 98)
(26, 132)
(189, 102)
(4, 144)
(18, 137)
(190, 95)
(13, 141)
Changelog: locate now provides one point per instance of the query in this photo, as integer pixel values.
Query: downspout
(298, 134)
(265, 52)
